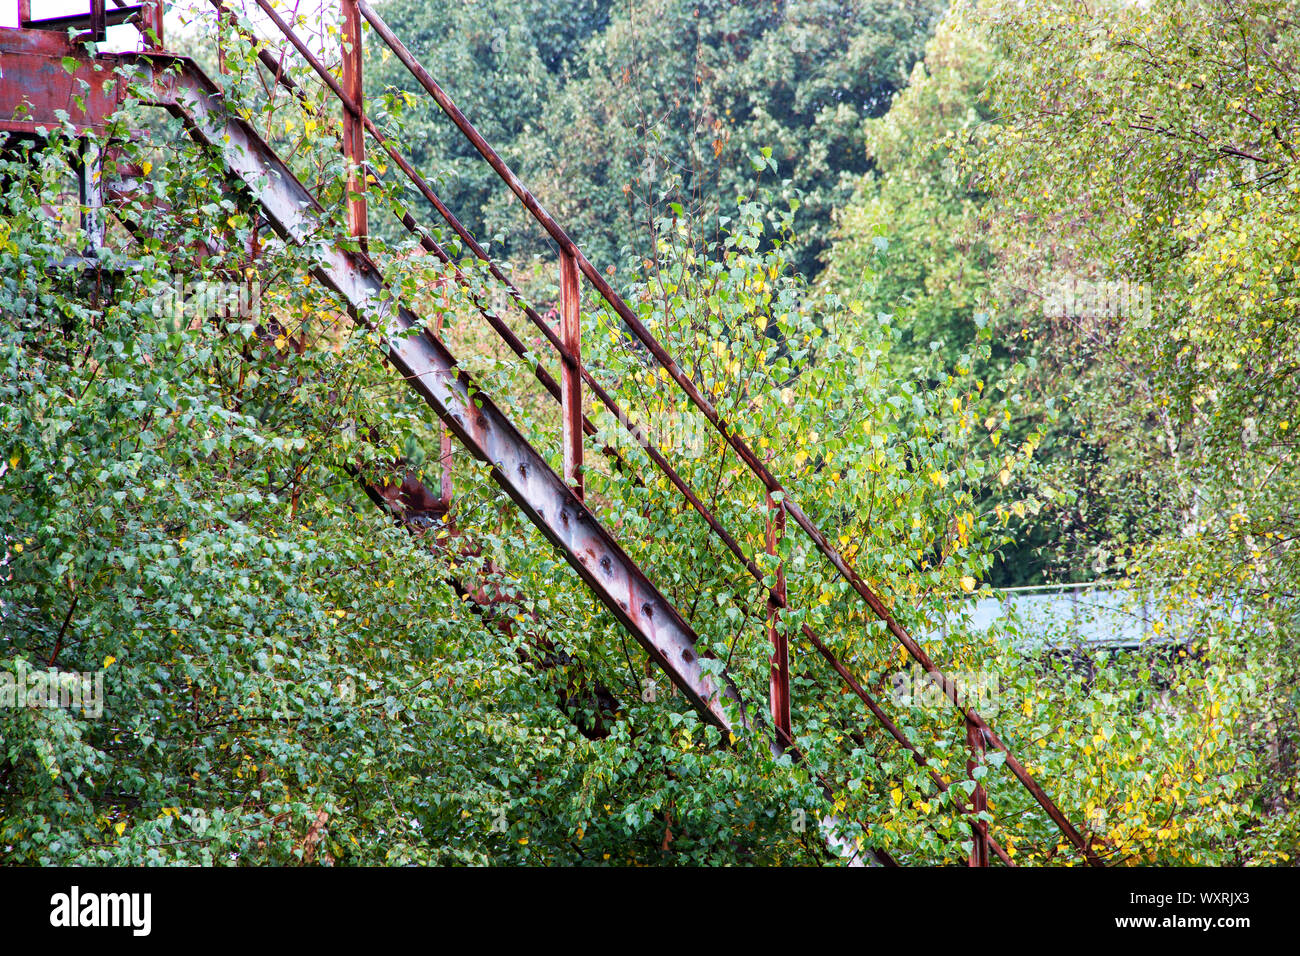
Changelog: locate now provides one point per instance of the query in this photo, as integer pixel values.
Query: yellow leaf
(120, 827)
(108, 661)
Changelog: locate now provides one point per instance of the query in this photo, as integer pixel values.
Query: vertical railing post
(90, 189)
(445, 488)
(979, 850)
(154, 22)
(354, 130)
(24, 12)
(222, 15)
(571, 376)
(779, 679)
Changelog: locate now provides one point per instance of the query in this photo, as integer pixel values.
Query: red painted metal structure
(36, 82)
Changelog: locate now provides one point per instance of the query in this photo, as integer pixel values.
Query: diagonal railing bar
(569, 249)
(428, 242)
(783, 739)
(771, 484)
(660, 462)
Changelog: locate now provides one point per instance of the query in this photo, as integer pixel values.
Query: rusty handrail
(771, 484)
(574, 262)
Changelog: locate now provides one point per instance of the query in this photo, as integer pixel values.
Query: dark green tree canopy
(612, 113)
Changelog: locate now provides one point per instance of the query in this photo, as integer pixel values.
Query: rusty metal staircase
(36, 57)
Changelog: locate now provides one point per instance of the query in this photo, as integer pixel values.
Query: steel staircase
(38, 53)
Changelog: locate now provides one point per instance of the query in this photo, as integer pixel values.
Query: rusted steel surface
(98, 21)
(738, 445)
(354, 131)
(36, 84)
(152, 28)
(431, 371)
(570, 377)
(779, 680)
(979, 852)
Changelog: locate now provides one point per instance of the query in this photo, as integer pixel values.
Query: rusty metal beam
(98, 21)
(152, 27)
(354, 130)
(979, 851)
(570, 374)
(779, 679)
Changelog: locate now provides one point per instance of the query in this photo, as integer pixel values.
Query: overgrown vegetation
(290, 676)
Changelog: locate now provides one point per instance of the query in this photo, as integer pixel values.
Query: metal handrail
(771, 484)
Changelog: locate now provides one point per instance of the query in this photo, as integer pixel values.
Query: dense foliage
(188, 432)
(1107, 184)
(631, 107)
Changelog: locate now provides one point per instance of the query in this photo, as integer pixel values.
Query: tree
(615, 112)
(1162, 134)
(681, 100)
(501, 63)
